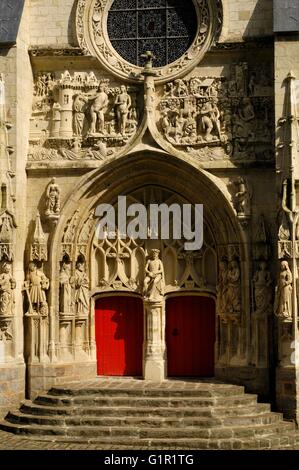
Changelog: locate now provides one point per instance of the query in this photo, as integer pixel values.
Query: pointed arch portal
(142, 341)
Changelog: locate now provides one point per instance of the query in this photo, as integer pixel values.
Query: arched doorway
(119, 335)
(190, 336)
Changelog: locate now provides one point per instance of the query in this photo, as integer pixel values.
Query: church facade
(162, 104)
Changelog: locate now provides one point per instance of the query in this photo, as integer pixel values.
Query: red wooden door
(119, 335)
(190, 336)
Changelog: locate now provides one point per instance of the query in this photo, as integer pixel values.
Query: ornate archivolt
(92, 35)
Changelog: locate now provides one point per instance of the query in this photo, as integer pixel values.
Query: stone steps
(141, 421)
(270, 441)
(148, 401)
(132, 415)
(220, 411)
(134, 432)
(206, 392)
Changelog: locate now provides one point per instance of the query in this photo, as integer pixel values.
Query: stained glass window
(165, 27)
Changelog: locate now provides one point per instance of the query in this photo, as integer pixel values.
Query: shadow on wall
(260, 20)
(71, 30)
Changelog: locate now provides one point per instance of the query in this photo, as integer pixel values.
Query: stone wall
(247, 19)
(52, 21)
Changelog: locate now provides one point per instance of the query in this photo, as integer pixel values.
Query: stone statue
(244, 120)
(262, 289)
(241, 197)
(80, 283)
(233, 298)
(65, 291)
(79, 108)
(149, 58)
(210, 119)
(154, 282)
(98, 110)
(35, 285)
(283, 300)
(122, 105)
(7, 285)
(222, 290)
(180, 89)
(53, 198)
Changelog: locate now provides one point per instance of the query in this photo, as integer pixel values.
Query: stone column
(154, 340)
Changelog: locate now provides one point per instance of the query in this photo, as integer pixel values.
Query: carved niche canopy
(97, 21)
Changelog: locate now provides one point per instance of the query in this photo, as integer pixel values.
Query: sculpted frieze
(216, 118)
(79, 116)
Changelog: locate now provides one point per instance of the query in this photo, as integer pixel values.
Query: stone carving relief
(7, 286)
(262, 285)
(288, 223)
(233, 297)
(262, 242)
(154, 282)
(222, 290)
(119, 263)
(241, 198)
(283, 299)
(80, 284)
(7, 226)
(65, 289)
(80, 117)
(52, 200)
(38, 248)
(35, 287)
(7, 197)
(216, 118)
(228, 302)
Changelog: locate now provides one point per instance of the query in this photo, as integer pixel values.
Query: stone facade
(80, 126)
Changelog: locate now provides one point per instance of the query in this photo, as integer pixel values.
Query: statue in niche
(80, 284)
(241, 78)
(221, 304)
(233, 298)
(65, 291)
(98, 109)
(52, 198)
(6, 229)
(149, 81)
(283, 300)
(7, 285)
(262, 289)
(36, 285)
(154, 282)
(241, 197)
(79, 108)
(122, 104)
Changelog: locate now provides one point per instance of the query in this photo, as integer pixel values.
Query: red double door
(190, 336)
